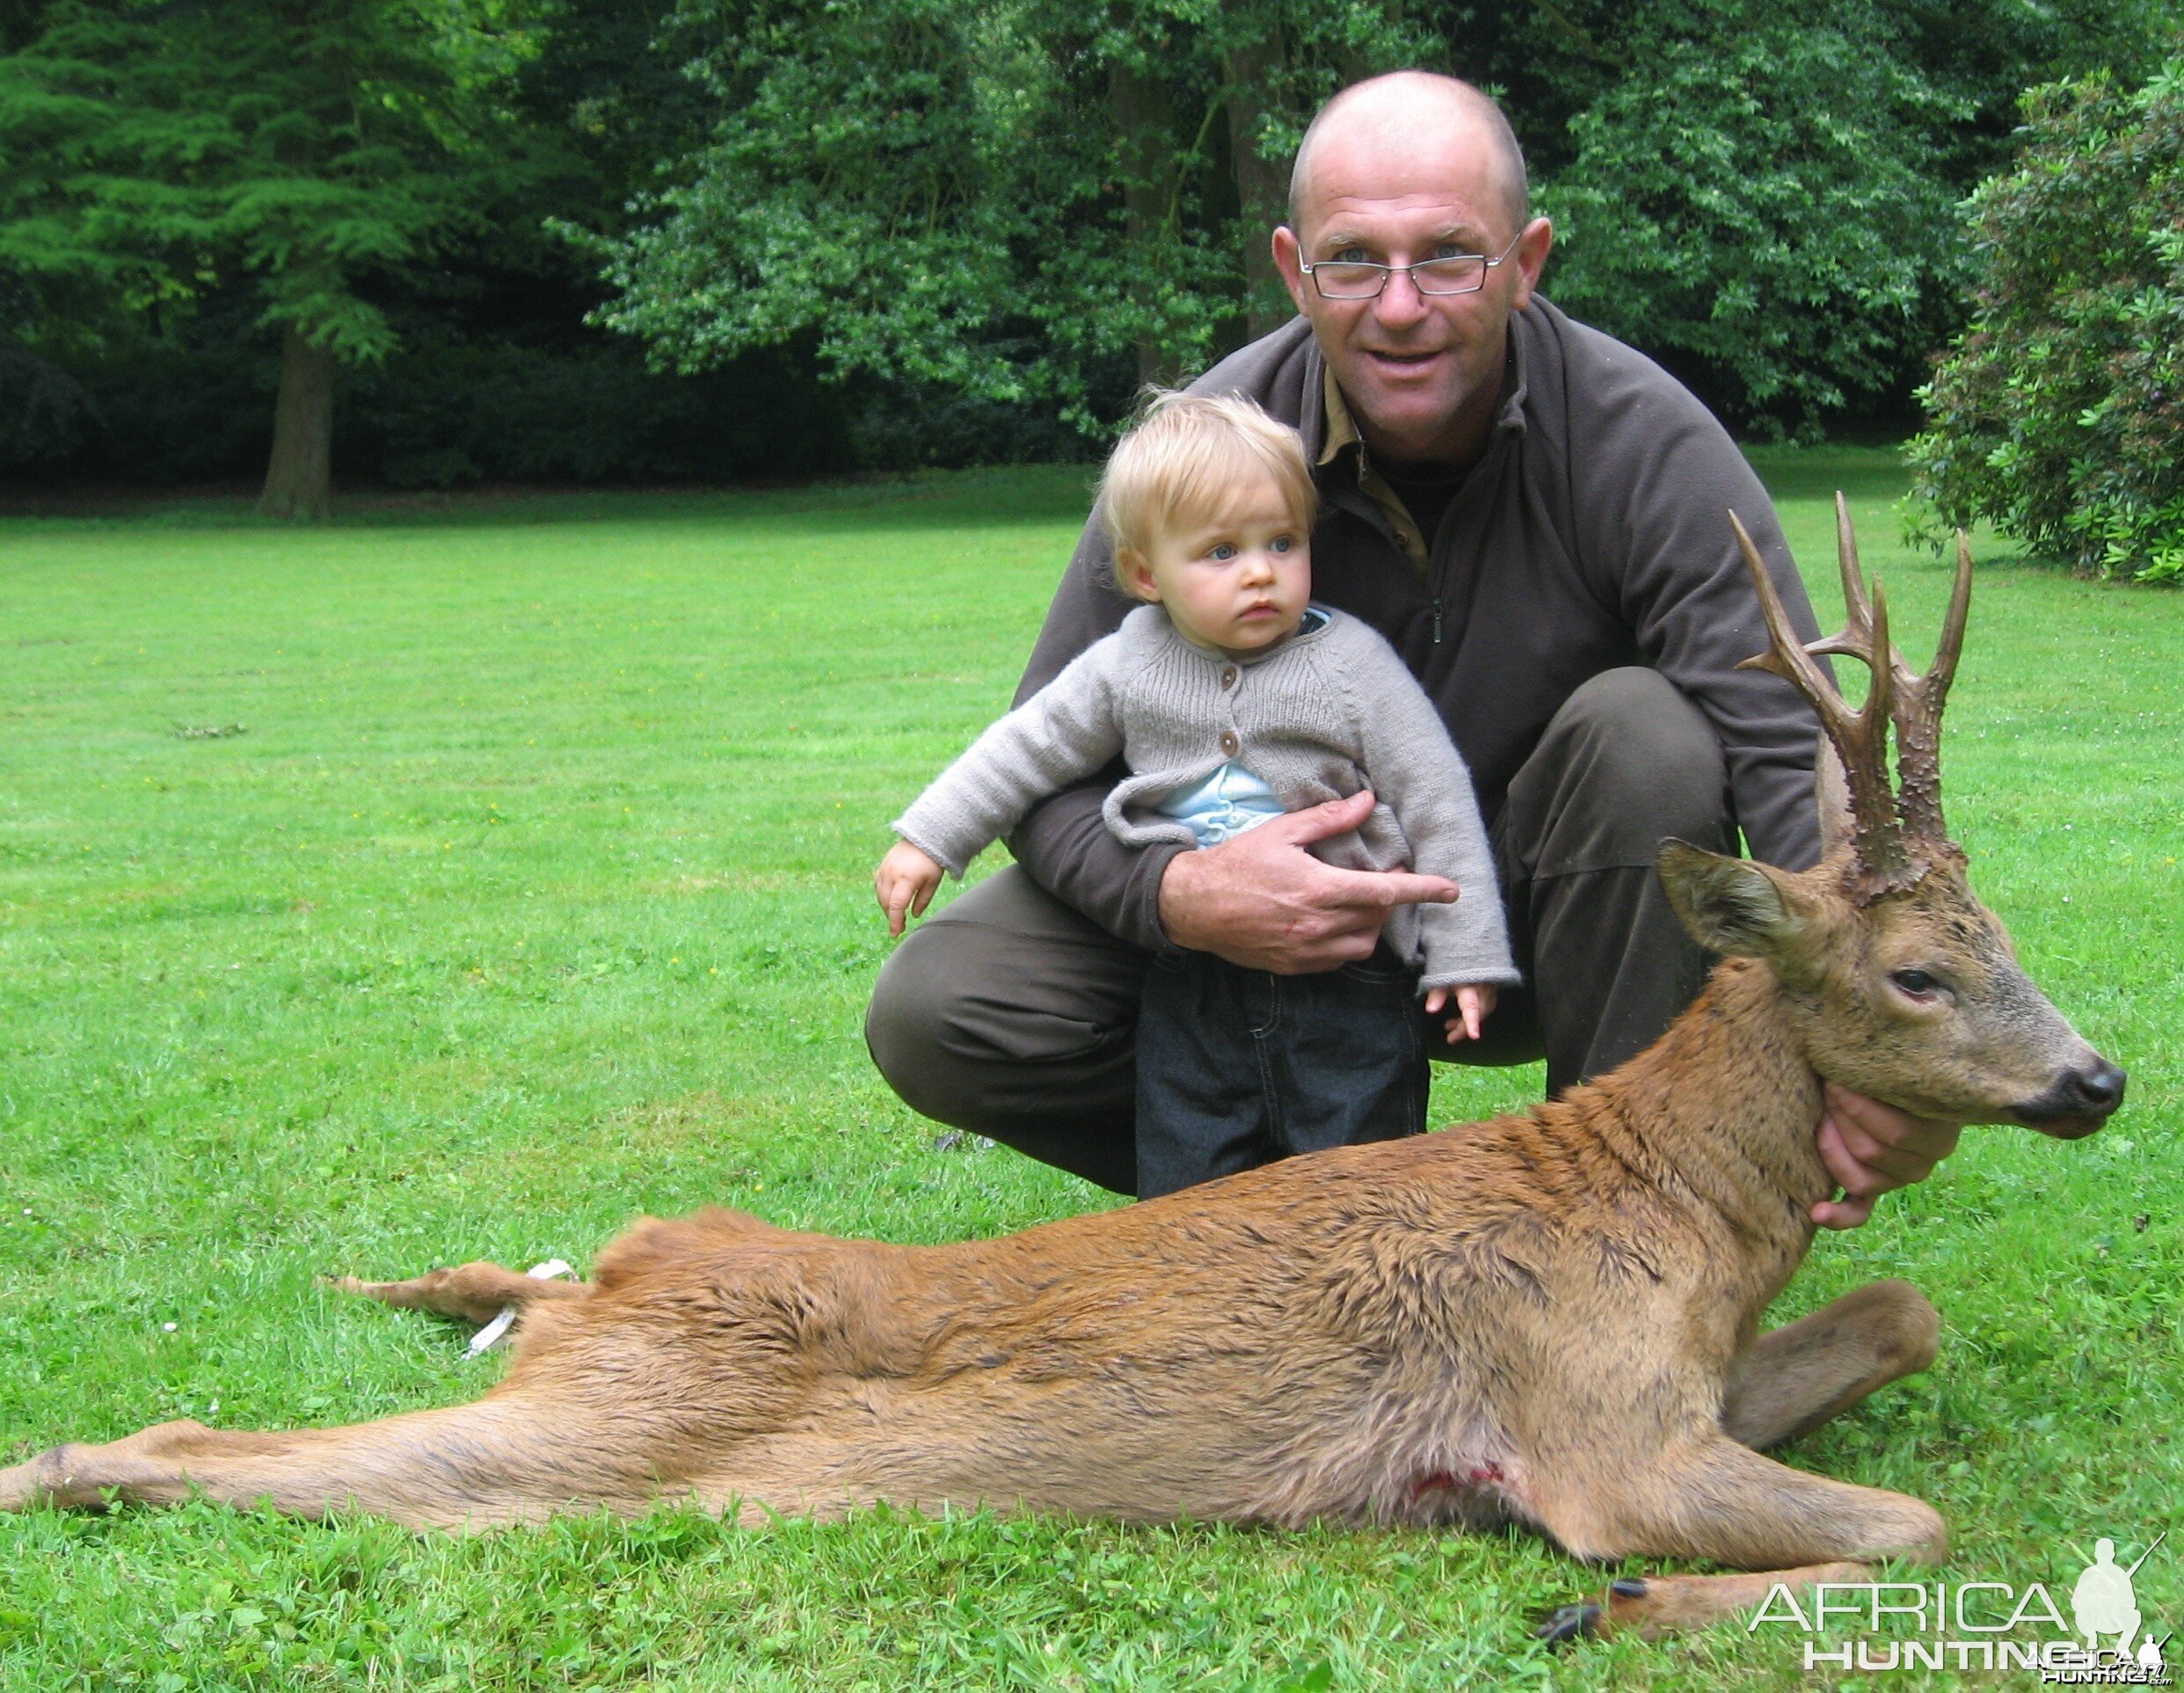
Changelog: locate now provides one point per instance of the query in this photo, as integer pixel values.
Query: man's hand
(904, 880)
(1262, 903)
(1871, 1149)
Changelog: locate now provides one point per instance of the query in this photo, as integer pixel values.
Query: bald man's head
(1412, 105)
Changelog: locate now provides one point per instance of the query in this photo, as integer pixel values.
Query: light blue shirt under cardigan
(1223, 807)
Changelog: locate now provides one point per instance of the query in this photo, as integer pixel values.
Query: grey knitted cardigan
(1327, 712)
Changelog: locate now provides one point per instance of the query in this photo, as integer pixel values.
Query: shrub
(2059, 414)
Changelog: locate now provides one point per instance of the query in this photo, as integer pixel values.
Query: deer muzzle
(2078, 1102)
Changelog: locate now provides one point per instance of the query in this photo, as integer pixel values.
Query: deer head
(1897, 981)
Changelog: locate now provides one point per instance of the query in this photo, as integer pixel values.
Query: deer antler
(1892, 839)
(1915, 707)
(1884, 858)
(1919, 700)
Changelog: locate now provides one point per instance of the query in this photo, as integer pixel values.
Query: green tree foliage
(997, 198)
(150, 152)
(997, 214)
(1758, 200)
(493, 373)
(2059, 414)
(1011, 197)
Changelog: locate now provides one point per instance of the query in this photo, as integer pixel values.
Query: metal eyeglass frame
(1411, 271)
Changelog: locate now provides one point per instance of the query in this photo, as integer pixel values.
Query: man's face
(1422, 372)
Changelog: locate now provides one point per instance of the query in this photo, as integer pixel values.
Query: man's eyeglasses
(1347, 279)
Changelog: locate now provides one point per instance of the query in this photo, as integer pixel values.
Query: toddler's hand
(904, 880)
(1475, 1004)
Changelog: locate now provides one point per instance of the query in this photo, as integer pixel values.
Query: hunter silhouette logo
(1984, 1625)
(2103, 1601)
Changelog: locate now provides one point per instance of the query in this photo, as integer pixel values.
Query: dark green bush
(458, 407)
(45, 413)
(2059, 414)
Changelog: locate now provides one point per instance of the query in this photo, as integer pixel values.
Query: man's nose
(1400, 304)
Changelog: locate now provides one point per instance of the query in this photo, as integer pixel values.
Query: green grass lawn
(535, 894)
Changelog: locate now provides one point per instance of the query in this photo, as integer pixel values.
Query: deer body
(1550, 1318)
(1478, 1325)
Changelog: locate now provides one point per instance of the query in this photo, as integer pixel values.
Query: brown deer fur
(1550, 1318)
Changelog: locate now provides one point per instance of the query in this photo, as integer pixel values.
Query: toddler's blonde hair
(1183, 456)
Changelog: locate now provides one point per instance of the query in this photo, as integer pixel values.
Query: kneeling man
(1535, 515)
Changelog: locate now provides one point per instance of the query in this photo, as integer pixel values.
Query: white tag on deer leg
(487, 1337)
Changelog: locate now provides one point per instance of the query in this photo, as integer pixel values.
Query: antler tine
(1857, 639)
(1919, 712)
(1846, 559)
(1786, 656)
(1860, 738)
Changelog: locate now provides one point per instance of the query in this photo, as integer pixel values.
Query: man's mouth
(1404, 361)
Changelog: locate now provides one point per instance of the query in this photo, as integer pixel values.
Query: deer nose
(2097, 1089)
(2077, 1102)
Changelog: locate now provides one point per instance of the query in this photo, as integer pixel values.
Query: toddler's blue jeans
(1237, 1067)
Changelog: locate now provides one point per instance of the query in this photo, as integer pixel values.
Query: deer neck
(1725, 1105)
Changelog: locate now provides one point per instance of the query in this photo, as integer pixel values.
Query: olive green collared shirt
(1342, 436)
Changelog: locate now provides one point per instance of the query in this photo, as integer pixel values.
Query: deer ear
(1732, 906)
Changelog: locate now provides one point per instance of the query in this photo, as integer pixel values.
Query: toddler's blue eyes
(1283, 544)
(1223, 552)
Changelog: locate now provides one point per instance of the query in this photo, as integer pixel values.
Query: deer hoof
(1571, 1623)
(1628, 1587)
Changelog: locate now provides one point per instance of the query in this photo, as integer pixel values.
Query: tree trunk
(1145, 160)
(299, 477)
(1262, 188)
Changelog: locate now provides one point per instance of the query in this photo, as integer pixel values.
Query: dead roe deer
(1550, 1318)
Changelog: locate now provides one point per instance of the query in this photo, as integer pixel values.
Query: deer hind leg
(476, 1292)
(473, 1292)
(1722, 1502)
(1790, 1380)
(504, 1459)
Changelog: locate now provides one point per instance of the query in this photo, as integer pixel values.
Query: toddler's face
(1236, 578)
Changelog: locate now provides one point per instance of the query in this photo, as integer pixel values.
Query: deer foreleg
(473, 1292)
(1652, 1606)
(501, 1460)
(1722, 1502)
(1790, 1380)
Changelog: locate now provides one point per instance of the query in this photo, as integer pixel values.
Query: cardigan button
(1229, 743)
(1228, 675)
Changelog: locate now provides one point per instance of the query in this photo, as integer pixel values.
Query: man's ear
(1532, 248)
(1133, 574)
(1287, 253)
(1732, 906)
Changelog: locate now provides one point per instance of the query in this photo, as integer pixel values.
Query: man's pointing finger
(1389, 888)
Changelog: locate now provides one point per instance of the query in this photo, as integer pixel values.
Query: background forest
(639, 241)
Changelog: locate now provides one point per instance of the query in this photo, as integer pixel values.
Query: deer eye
(1917, 983)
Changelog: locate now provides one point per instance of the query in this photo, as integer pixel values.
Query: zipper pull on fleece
(1437, 620)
